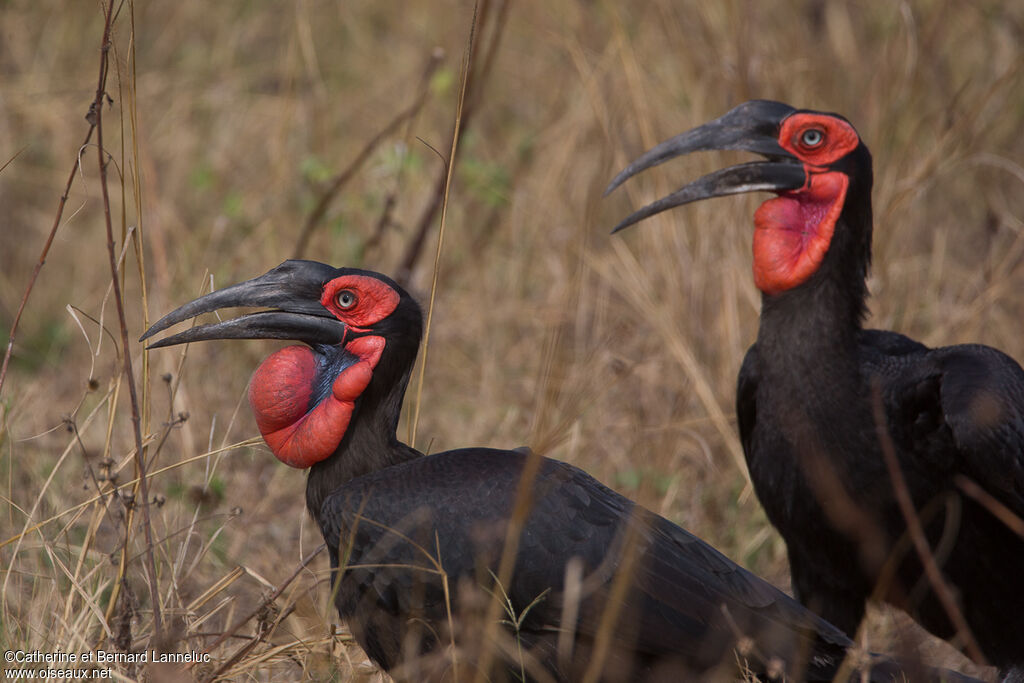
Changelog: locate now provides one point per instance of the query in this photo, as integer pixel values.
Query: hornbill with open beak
(410, 535)
(821, 401)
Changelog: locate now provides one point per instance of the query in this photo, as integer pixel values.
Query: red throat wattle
(792, 232)
(280, 391)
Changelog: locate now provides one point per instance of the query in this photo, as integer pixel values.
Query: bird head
(815, 162)
(361, 332)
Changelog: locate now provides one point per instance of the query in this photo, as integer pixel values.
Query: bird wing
(958, 409)
(982, 398)
(397, 529)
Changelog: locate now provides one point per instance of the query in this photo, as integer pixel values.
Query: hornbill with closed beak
(596, 580)
(822, 402)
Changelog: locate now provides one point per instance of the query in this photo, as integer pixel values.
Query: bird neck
(810, 387)
(822, 318)
(370, 443)
(802, 338)
(828, 308)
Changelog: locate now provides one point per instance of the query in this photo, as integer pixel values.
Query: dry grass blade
(1000, 511)
(467, 63)
(630, 274)
(338, 182)
(96, 112)
(11, 159)
(242, 651)
(129, 483)
(607, 627)
(468, 101)
(916, 531)
(11, 336)
(216, 588)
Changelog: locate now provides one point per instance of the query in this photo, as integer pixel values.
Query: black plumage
(416, 541)
(676, 614)
(820, 399)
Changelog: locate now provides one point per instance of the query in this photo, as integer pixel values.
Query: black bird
(821, 400)
(681, 609)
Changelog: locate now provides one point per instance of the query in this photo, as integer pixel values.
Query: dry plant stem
(613, 605)
(998, 510)
(136, 234)
(450, 166)
(524, 501)
(492, 46)
(448, 608)
(344, 566)
(252, 614)
(339, 181)
(544, 438)
(122, 568)
(916, 531)
(469, 99)
(42, 257)
(385, 220)
(167, 468)
(97, 112)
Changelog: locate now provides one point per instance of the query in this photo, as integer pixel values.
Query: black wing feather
(982, 397)
(961, 409)
(687, 603)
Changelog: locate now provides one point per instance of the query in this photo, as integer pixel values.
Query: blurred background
(242, 133)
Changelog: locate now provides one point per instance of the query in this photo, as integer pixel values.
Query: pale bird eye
(812, 137)
(346, 299)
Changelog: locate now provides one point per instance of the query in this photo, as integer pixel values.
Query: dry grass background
(617, 353)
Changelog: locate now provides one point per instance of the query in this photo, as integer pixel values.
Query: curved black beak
(753, 127)
(293, 289)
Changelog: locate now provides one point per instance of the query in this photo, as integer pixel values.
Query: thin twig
(391, 199)
(136, 234)
(97, 113)
(12, 158)
(339, 180)
(43, 254)
(470, 99)
(616, 597)
(241, 622)
(931, 568)
(992, 504)
(513, 532)
(466, 71)
(166, 468)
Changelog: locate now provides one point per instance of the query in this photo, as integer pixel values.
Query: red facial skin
(792, 232)
(374, 300)
(281, 387)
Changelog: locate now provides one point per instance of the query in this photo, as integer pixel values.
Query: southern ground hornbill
(821, 401)
(391, 516)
